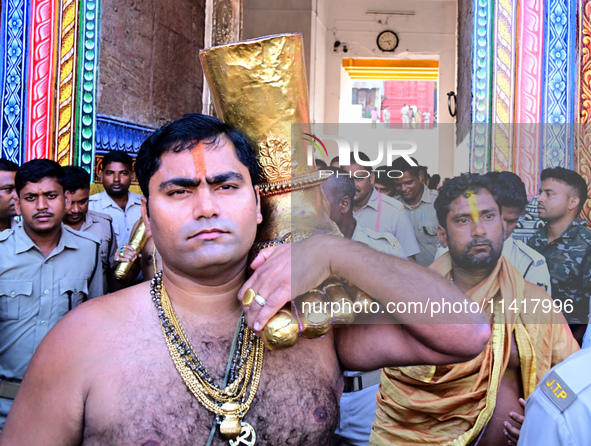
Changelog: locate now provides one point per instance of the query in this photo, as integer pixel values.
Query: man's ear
(442, 236)
(68, 196)
(146, 216)
(573, 202)
(372, 178)
(344, 204)
(17, 205)
(421, 177)
(258, 198)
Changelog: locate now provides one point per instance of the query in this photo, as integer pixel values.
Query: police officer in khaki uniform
(558, 413)
(528, 262)
(124, 206)
(7, 194)
(78, 217)
(46, 270)
(358, 402)
(511, 195)
(380, 241)
(418, 200)
(379, 212)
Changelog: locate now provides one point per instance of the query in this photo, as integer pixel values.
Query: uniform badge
(557, 391)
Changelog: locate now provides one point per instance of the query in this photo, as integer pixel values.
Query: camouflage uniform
(564, 256)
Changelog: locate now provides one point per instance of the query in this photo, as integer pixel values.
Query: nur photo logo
(382, 153)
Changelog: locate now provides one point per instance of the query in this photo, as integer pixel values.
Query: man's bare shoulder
(115, 306)
(95, 321)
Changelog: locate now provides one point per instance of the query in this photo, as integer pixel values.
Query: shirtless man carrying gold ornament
(139, 366)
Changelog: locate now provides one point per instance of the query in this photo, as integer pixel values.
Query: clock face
(387, 41)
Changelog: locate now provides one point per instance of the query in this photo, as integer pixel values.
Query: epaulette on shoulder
(393, 202)
(5, 234)
(83, 234)
(566, 380)
(382, 236)
(536, 258)
(101, 215)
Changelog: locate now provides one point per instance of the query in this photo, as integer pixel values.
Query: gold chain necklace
(231, 402)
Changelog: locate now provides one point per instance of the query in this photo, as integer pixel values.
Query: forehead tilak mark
(199, 159)
(471, 196)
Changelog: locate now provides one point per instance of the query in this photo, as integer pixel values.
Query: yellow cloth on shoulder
(451, 404)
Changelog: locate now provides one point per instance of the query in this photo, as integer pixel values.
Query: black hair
(424, 169)
(454, 188)
(571, 178)
(403, 166)
(116, 156)
(508, 188)
(434, 181)
(341, 183)
(363, 157)
(7, 165)
(381, 176)
(76, 178)
(334, 160)
(36, 170)
(184, 134)
(319, 163)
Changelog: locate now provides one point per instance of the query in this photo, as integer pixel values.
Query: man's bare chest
(509, 392)
(144, 401)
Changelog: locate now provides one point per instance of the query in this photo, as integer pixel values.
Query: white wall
(429, 34)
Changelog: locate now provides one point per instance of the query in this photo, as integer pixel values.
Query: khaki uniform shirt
(424, 222)
(100, 225)
(37, 291)
(123, 220)
(392, 219)
(531, 264)
(380, 241)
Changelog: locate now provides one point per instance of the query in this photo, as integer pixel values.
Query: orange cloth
(452, 404)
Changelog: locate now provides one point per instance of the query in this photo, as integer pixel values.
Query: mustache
(478, 241)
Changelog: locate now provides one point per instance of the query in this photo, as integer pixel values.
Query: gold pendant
(248, 436)
(230, 427)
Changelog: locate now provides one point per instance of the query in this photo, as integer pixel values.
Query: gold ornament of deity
(260, 87)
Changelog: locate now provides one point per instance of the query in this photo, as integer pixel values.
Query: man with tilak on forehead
(479, 401)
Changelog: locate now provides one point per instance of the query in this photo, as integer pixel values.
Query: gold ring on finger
(249, 296)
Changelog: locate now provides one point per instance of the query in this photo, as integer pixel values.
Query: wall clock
(387, 41)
